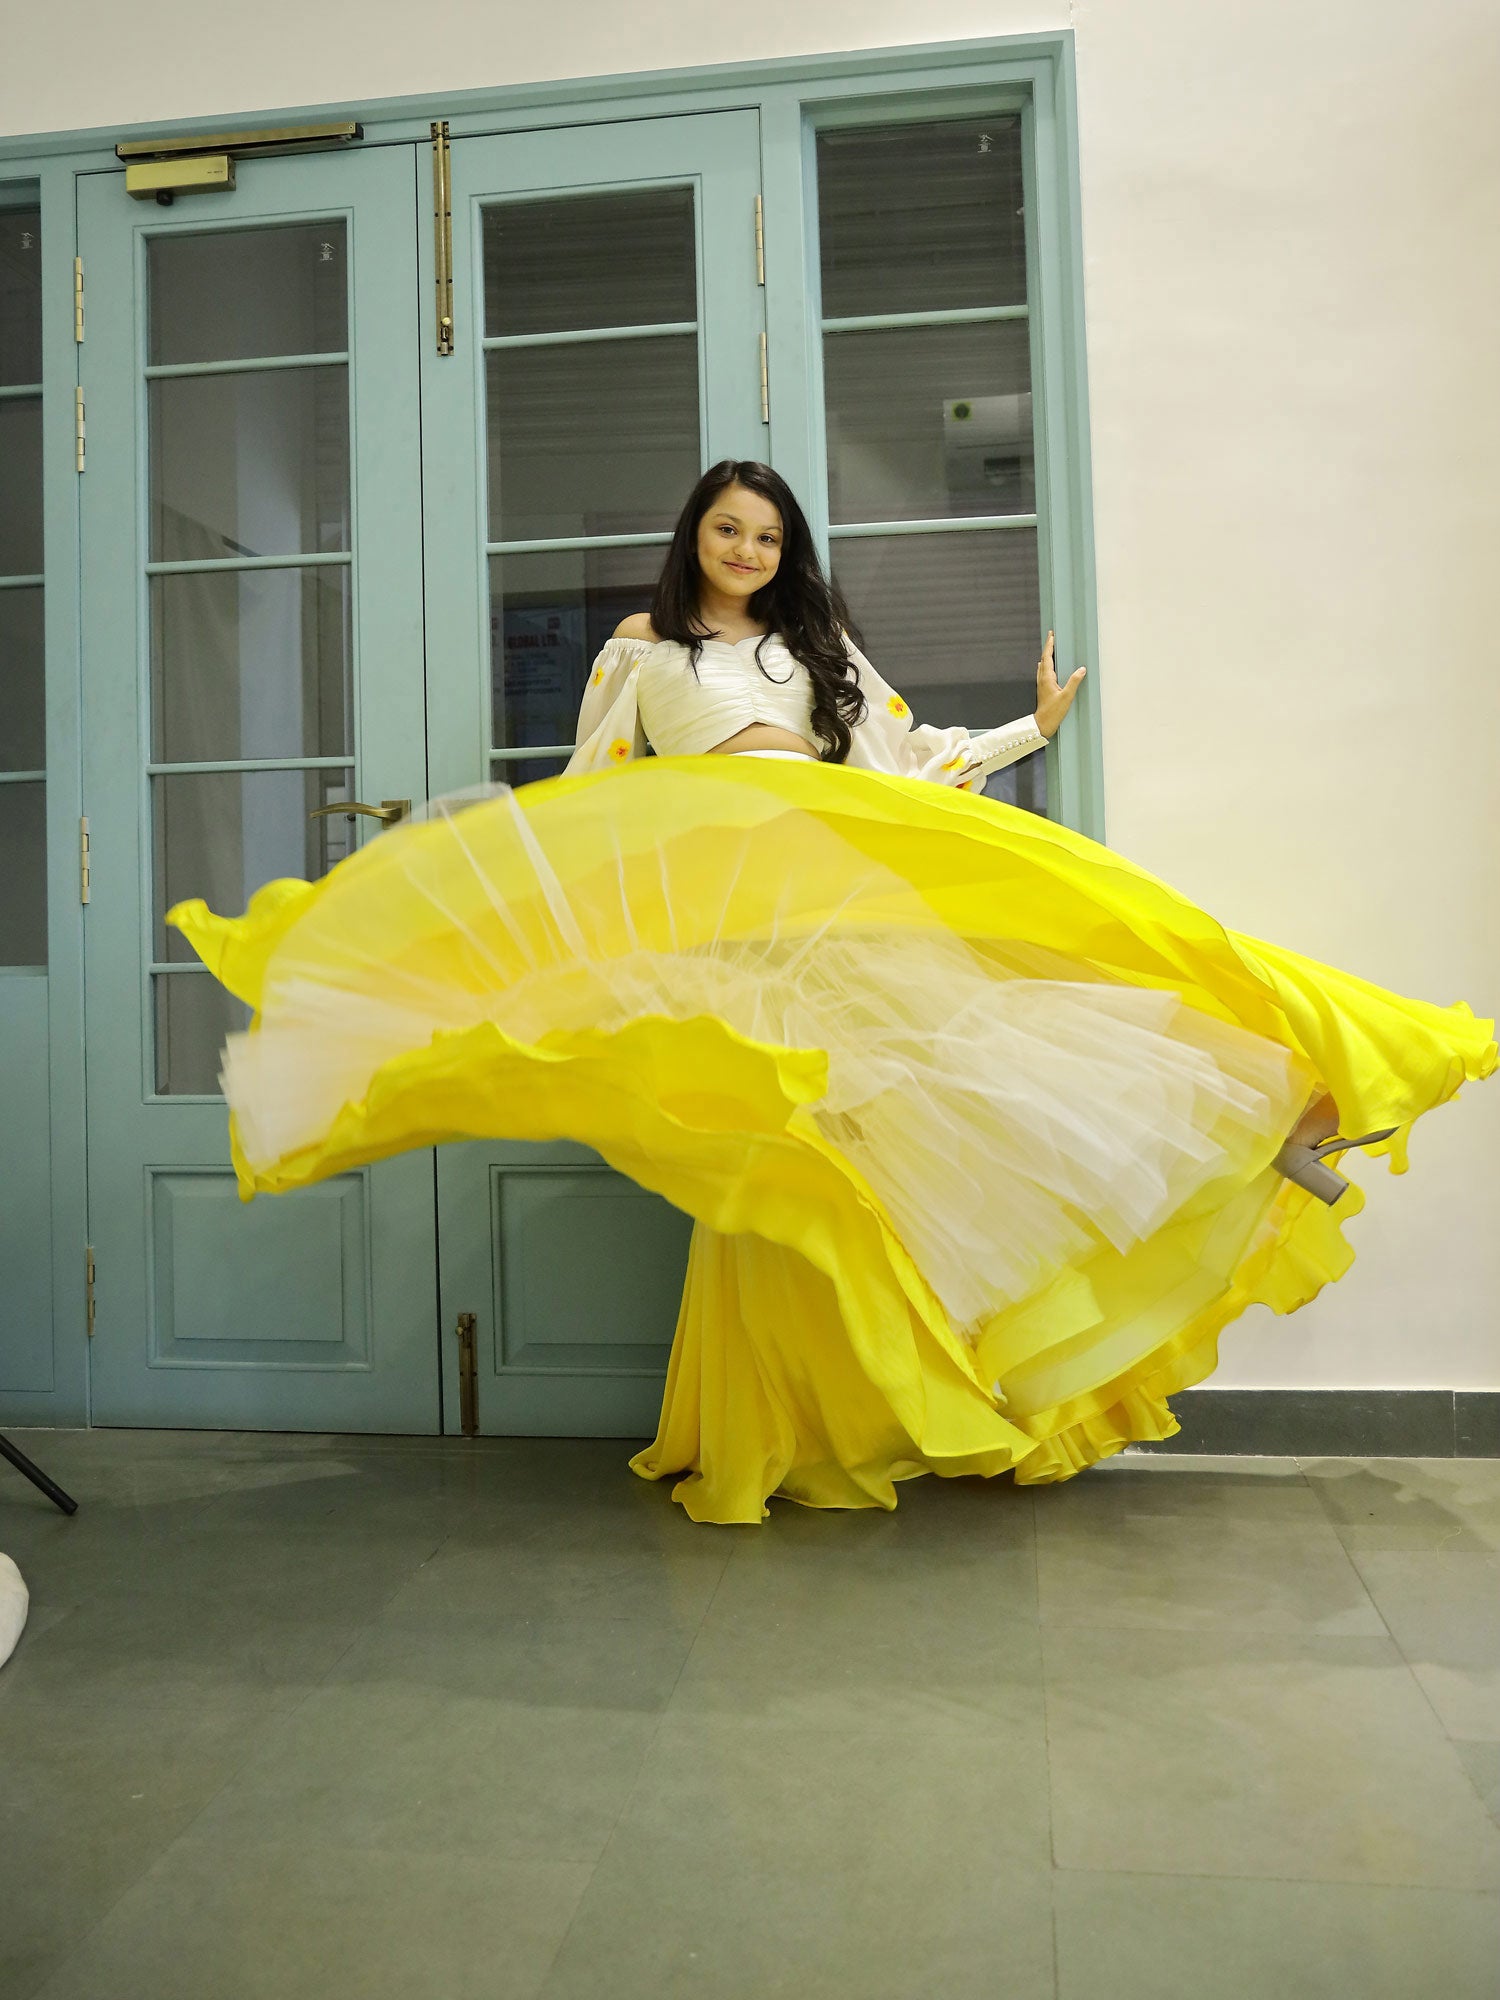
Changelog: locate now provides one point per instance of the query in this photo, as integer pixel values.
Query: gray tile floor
(337, 1717)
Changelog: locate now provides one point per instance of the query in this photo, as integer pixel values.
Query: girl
(742, 579)
(985, 1132)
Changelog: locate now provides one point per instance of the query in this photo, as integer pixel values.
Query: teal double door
(335, 558)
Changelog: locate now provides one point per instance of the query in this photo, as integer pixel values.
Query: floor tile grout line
(1041, 1656)
(252, 1747)
(275, 1722)
(368, 1617)
(1386, 1623)
(1289, 1881)
(634, 1786)
(1446, 1732)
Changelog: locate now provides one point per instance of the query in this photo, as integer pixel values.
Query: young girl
(985, 1132)
(747, 651)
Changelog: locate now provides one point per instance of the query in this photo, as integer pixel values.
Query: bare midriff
(766, 736)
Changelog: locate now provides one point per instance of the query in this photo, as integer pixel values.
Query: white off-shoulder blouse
(643, 694)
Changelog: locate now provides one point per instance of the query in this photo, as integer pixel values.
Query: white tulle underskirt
(1010, 1114)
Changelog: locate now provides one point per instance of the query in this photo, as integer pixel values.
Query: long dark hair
(800, 603)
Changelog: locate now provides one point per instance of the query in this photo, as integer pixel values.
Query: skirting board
(1337, 1423)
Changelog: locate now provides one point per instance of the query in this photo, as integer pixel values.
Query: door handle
(388, 811)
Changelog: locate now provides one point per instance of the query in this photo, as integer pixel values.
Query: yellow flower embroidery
(956, 763)
(619, 749)
(966, 786)
(598, 676)
(897, 706)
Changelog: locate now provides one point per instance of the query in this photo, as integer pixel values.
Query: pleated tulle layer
(975, 1119)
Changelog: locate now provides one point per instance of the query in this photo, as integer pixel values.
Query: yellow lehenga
(975, 1119)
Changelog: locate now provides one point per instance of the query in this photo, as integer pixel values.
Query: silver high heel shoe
(1302, 1163)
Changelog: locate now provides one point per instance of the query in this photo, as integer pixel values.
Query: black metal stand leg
(37, 1477)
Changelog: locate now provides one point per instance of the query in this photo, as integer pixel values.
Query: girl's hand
(1052, 701)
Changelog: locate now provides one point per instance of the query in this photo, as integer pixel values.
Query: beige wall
(1292, 293)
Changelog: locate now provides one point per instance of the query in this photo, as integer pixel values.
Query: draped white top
(644, 694)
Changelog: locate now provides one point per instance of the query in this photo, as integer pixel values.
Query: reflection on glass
(600, 439)
(549, 616)
(193, 1017)
(575, 261)
(954, 622)
(21, 486)
(237, 294)
(223, 834)
(1023, 784)
(23, 874)
(23, 722)
(921, 218)
(253, 464)
(929, 422)
(20, 296)
(524, 770)
(250, 663)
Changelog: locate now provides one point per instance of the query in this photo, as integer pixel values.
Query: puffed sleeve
(609, 723)
(889, 740)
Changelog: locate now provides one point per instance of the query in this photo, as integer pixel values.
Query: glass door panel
(569, 263)
(922, 217)
(23, 707)
(251, 511)
(23, 749)
(593, 432)
(608, 322)
(248, 294)
(932, 489)
(608, 318)
(248, 481)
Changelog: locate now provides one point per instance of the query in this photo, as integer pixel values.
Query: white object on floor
(13, 1603)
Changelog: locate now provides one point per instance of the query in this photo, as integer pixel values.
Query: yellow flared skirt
(974, 1118)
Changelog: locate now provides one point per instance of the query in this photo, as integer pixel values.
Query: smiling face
(739, 542)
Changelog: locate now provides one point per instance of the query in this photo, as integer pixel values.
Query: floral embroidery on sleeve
(619, 750)
(897, 706)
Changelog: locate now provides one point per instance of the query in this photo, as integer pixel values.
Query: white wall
(1292, 292)
(1292, 285)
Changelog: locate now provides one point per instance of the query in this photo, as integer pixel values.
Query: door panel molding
(207, 1311)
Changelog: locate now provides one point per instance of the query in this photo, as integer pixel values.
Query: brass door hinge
(78, 427)
(83, 861)
(78, 298)
(765, 385)
(442, 232)
(89, 1289)
(468, 1376)
(760, 241)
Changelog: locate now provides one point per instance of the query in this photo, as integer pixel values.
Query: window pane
(549, 616)
(525, 770)
(254, 464)
(921, 218)
(20, 296)
(234, 294)
(929, 422)
(194, 1015)
(971, 602)
(250, 663)
(590, 260)
(21, 486)
(222, 834)
(23, 722)
(23, 874)
(596, 439)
